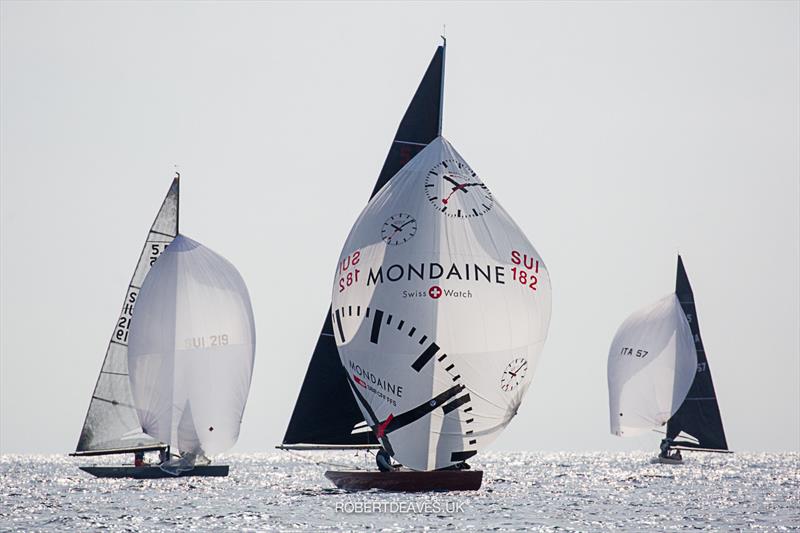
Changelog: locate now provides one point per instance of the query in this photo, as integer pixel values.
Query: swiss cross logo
(435, 292)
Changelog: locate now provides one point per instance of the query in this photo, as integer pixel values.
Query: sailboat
(175, 379)
(440, 309)
(658, 375)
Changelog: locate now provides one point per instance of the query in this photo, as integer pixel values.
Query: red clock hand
(380, 429)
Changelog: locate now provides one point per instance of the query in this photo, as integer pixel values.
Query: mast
(325, 413)
(177, 182)
(441, 85)
(112, 425)
(699, 414)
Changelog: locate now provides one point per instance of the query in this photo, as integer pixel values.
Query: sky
(615, 134)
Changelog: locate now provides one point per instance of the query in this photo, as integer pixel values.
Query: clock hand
(393, 423)
(407, 223)
(451, 180)
(396, 228)
(458, 186)
(445, 200)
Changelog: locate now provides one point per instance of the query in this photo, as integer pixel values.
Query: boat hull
(407, 480)
(666, 461)
(153, 472)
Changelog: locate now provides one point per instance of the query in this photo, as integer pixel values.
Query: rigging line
(322, 463)
(685, 435)
(114, 373)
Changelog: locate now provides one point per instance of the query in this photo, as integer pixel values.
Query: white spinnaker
(486, 327)
(651, 365)
(191, 350)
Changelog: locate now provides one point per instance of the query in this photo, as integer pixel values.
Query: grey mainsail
(112, 425)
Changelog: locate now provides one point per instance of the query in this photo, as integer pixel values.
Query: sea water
(521, 491)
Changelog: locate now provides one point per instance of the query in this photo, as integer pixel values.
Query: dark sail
(325, 411)
(421, 124)
(699, 415)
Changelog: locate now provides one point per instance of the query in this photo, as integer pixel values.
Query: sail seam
(162, 233)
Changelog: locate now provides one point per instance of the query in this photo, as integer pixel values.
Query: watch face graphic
(514, 374)
(387, 333)
(398, 229)
(455, 190)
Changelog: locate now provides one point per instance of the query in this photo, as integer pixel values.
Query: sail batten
(111, 425)
(325, 411)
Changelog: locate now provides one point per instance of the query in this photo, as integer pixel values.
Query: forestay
(441, 307)
(651, 365)
(111, 423)
(192, 346)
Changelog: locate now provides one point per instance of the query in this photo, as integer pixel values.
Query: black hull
(407, 480)
(153, 472)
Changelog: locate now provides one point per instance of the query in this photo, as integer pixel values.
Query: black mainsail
(326, 413)
(112, 425)
(699, 415)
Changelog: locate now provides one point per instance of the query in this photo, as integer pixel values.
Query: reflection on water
(540, 491)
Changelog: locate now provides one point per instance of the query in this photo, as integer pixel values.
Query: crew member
(665, 448)
(138, 459)
(384, 461)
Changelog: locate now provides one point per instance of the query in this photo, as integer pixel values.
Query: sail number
(124, 320)
(347, 271)
(155, 250)
(207, 342)
(526, 271)
(633, 352)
